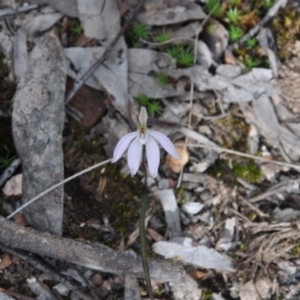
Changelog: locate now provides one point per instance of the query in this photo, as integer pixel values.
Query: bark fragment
(37, 120)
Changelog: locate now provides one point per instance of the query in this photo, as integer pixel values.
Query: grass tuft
(233, 15)
(140, 31)
(235, 33)
(162, 36)
(153, 107)
(214, 8)
(162, 79)
(184, 56)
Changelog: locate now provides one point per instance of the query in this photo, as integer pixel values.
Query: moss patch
(101, 193)
(248, 170)
(231, 132)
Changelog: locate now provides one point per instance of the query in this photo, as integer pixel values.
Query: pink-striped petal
(143, 116)
(165, 142)
(134, 156)
(123, 145)
(153, 155)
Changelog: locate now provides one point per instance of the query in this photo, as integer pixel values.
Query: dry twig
(270, 242)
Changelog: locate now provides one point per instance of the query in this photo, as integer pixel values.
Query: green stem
(143, 236)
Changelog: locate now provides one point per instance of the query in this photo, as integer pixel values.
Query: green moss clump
(183, 55)
(228, 170)
(287, 28)
(232, 133)
(247, 170)
(206, 295)
(296, 250)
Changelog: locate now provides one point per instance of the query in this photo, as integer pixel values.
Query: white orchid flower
(135, 141)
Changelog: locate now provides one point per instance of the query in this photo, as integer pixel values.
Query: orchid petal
(143, 117)
(134, 156)
(165, 142)
(123, 145)
(153, 156)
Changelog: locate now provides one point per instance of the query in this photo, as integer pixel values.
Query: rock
(264, 288)
(61, 289)
(13, 187)
(248, 291)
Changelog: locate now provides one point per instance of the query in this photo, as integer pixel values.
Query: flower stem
(143, 236)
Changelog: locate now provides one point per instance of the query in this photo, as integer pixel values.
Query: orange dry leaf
(197, 274)
(155, 235)
(5, 262)
(13, 187)
(106, 285)
(20, 220)
(229, 58)
(177, 164)
(15, 260)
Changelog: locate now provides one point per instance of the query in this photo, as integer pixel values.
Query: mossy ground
(285, 27)
(232, 133)
(103, 192)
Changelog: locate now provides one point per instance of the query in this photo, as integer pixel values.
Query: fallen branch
(93, 256)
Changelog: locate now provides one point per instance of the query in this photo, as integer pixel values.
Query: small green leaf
(6, 161)
(154, 108)
(142, 100)
(214, 8)
(268, 4)
(235, 33)
(233, 15)
(251, 63)
(251, 42)
(162, 79)
(162, 36)
(77, 29)
(140, 31)
(184, 56)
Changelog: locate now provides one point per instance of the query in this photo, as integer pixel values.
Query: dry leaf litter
(222, 220)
